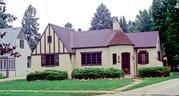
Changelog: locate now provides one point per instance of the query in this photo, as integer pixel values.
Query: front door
(126, 62)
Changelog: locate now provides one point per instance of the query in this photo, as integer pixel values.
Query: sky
(77, 12)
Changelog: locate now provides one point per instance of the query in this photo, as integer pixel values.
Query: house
(17, 67)
(65, 49)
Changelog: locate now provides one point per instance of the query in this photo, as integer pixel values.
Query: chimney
(116, 25)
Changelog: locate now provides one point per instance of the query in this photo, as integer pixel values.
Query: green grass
(8, 93)
(149, 81)
(64, 85)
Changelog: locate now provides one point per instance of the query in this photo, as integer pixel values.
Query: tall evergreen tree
(123, 23)
(5, 18)
(68, 25)
(102, 18)
(30, 26)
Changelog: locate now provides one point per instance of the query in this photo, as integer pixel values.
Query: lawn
(64, 85)
(149, 81)
(7, 93)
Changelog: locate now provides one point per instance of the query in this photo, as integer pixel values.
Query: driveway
(166, 88)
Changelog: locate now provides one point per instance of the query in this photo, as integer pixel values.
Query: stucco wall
(64, 64)
(21, 62)
(107, 56)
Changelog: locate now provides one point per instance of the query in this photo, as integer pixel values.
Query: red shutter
(146, 57)
(56, 59)
(139, 58)
(43, 60)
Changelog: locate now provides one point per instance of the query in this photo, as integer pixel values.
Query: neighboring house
(65, 49)
(17, 67)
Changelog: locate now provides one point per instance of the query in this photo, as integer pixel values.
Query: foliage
(123, 24)
(132, 27)
(96, 73)
(2, 76)
(102, 18)
(47, 75)
(143, 22)
(154, 72)
(7, 48)
(165, 14)
(30, 26)
(68, 25)
(65, 84)
(5, 18)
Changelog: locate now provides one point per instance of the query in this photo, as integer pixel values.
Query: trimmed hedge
(96, 73)
(47, 75)
(2, 76)
(154, 72)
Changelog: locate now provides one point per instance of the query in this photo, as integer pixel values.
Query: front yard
(8, 93)
(64, 85)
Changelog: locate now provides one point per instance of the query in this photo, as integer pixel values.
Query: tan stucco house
(9, 65)
(66, 49)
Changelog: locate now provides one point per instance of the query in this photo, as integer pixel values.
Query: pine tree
(102, 18)
(123, 23)
(30, 26)
(68, 25)
(5, 18)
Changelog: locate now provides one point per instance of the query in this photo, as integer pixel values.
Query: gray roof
(11, 35)
(144, 39)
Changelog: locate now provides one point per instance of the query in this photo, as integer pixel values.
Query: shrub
(154, 72)
(47, 75)
(2, 76)
(96, 73)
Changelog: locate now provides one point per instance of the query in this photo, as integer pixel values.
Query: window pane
(114, 57)
(91, 58)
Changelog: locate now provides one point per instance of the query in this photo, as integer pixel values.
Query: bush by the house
(47, 75)
(2, 76)
(96, 73)
(154, 72)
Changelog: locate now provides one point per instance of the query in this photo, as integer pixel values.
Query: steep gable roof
(11, 35)
(98, 38)
(144, 39)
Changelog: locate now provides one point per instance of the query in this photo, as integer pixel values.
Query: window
(50, 60)
(114, 57)
(11, 64)
(21, 43)
(93, 58)
(159, 56)
(29, 61)
(3, 64)
(49, 39)
(143, 57)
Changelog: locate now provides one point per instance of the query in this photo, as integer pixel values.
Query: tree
(30, 26)
(68, 25)
(165, 14)
(6, 48)
(132, 27)
(123, 23)
(102, 18)
(144, 21)
(5, 18)
(79, 29)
